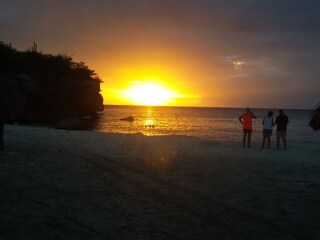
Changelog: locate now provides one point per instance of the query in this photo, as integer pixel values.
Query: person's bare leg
(285, 143)
(263, 141)
(249, 139)
(1, 136)
(244, 138)
(278, 142)
(269, 142)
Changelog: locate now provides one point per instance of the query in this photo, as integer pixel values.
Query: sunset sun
(150, 94)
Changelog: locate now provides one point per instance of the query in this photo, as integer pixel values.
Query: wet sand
(58, 184)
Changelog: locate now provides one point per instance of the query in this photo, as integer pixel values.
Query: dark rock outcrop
(315, 119)
(73, 124)
(129, 119)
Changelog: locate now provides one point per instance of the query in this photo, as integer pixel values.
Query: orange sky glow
(180, 53)
(147, 86)
(155, 79)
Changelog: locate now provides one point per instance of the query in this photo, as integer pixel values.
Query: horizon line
(277, 108)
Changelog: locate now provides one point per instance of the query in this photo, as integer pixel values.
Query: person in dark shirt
(3, 110)
(282, 121)
(1, 126)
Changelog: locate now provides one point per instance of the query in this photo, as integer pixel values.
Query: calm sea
(219, 124)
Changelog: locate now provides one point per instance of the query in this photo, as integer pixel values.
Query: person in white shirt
(267, 129)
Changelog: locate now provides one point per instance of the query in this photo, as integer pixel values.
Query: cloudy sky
(238, 53)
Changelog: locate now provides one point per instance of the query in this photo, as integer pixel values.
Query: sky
(210, 53)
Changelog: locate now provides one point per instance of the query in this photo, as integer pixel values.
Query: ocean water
(219, 124)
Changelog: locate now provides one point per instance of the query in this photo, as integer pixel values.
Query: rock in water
(129, 119)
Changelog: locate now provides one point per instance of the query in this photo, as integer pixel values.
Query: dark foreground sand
(57, 184)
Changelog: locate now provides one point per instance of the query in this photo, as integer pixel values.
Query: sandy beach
(58, 184)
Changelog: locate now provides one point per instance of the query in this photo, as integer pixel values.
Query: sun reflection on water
(149, 122)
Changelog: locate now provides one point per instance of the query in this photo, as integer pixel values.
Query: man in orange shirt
(246, 121)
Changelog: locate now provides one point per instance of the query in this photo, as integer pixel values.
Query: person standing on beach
(1, 125)
(282, 121)
(267, 129)
(246, 120)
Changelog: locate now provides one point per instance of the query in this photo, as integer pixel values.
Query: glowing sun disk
(150, 94)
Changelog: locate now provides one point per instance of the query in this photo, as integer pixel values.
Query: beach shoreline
(58, 184)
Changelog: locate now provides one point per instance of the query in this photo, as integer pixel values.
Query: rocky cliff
(36, 87)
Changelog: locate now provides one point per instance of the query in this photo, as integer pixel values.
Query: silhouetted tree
(48, 84)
